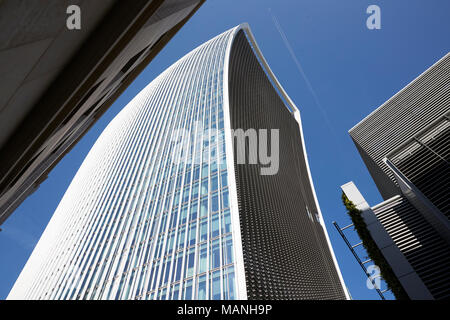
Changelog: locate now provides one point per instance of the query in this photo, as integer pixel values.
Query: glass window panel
(213, 167)
(231, 286)
(204, 188)
(215, 203)
(224, 179)
(214, 183)
(184, 212)
(205, 171)
(188, 290)
(215, 285)
(226, 222)
(179, 266)
(174, 217)
(194, 209)
(203, 230)
(215, 254)
(195, 191)
(225, 199)
(203, 258)
(196, 172)
(215, 226)
(186, 194)
(228, 250)
(190, 263)
(181, 237)
(204, 208)
(187, 178)
(201, 288)
(176, 199)
(192, 233)
(176, 290)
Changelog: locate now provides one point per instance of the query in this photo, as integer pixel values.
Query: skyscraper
(405, 146)
(165, 207)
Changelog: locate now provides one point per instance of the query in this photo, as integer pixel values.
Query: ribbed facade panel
(424, 161)
(424, 249)
(403, 116)
(284, 246)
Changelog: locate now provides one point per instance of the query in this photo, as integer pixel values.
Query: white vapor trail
(300, 69)
(308, 83)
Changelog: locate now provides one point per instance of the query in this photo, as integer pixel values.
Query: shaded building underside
(58, 82)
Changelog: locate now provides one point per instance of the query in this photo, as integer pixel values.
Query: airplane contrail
(303, 74)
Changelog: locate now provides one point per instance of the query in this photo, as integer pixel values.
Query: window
(204, 188)
(204, 208)
(181, 237)
(214, 183)
(203, 230)
(201, 287)
(192, 233)
(190, 263)
(228, 250)
(226, 222)
(215, 285)
(205, 170)
(194, 209)
(179, 265)
(215, 254)
(224, 179)
(225, 199)
(215, 227)
(196, 172)
(195, 191)
(228, 283)
(186, 194)
(175, 291)
(215, 202)
(188, 290)
(202, 265)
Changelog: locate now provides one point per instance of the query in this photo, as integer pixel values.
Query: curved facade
(161, 209)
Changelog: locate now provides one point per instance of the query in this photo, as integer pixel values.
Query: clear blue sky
(351, 71)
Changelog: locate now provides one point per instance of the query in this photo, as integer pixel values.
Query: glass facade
(148, 217)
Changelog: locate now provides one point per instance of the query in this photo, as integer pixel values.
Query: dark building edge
(123, 22)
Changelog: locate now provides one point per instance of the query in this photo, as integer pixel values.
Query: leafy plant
(373, 251)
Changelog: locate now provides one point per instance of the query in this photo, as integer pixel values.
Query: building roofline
(410, 84)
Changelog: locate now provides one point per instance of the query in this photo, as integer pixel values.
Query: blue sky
(348, 71)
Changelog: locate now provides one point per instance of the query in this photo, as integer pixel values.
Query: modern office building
(405, 144)
(163, 207)
(56, 82)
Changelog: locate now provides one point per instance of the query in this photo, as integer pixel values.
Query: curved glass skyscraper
(165, 207)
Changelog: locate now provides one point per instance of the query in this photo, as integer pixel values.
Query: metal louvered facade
(424, 249)
(405, 144)
(135, 224)
(285, 251)
(424, 161)
(421, 102)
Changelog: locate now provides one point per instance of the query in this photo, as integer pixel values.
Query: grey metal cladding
(424, 249)
(424, 160)
(285, 251)
(401, 117)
